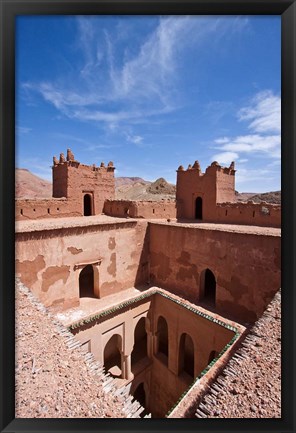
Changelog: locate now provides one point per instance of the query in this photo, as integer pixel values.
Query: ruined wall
(246, 266)
(140, 209)
(49, 260)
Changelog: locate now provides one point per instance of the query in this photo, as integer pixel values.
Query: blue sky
(151, 93)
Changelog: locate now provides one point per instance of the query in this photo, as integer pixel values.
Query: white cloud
(136, 139)
(252, 143)
(145, 81)
(225, 157)
(264, 112)
(264, 115)
(23, 129)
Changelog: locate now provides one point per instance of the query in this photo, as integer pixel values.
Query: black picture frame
(9, 10)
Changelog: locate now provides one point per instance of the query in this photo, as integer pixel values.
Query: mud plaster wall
(28, 209)
(140, 209)
(46, 259)
(246, 266)
(163, 381)
(167, 383)
(261, 214)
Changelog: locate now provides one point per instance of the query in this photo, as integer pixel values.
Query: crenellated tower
(85, 186)
(198, 193)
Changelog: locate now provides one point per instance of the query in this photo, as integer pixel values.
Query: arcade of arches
(146, 347)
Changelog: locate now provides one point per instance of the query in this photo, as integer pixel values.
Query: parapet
(215, 166)
(71, 161)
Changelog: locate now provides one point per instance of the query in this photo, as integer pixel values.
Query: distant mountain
(273, 197)
(140, 189)
(120, 181)
(28, 185)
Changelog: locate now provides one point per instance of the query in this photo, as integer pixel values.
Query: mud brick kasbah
(157, 293)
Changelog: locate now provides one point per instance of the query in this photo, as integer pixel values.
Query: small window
(34, 210)
(253, 214)
(48, 210)
(153, 210)
(226, 213)
(21, 211)
(58, 208)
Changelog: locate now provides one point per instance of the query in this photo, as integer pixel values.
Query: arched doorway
(86, 282)
(186, 355)
(112, 356)
(140, 395)
(208, 287)
(87, 208)
(198, 208)
(140, 342)
(162, 332)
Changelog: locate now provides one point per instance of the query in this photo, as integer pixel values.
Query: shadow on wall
(143, 272)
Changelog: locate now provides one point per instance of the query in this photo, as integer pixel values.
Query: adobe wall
(246, 265)
(167, 384)
(214, 186)
(30, 209)
(163, 381)
(260, 214)
(73, 180)
(140, 209)
(51, 254)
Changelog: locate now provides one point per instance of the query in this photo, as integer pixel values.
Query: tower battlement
(87, 185)
(198, 193)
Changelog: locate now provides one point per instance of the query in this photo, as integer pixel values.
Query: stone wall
(246, 265)
(51, 258)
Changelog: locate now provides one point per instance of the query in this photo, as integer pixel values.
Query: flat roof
(87, 221)
(68, 222)
(232, 228)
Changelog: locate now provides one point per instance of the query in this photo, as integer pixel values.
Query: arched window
(112, 356)
(140, 338)
(86, 282)
(208, 287)
(212, 356)
(186, 355)
(198, 208)
(87, 208)
(162, 332)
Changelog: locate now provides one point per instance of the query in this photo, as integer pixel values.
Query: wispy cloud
(136, 139)
(86, 145)
(264, 112)
(23, 130)
(113, 89)
(264, 116)
(225, 157)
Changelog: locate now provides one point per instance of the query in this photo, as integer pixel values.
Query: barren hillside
(28, 185)
(269, 197)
